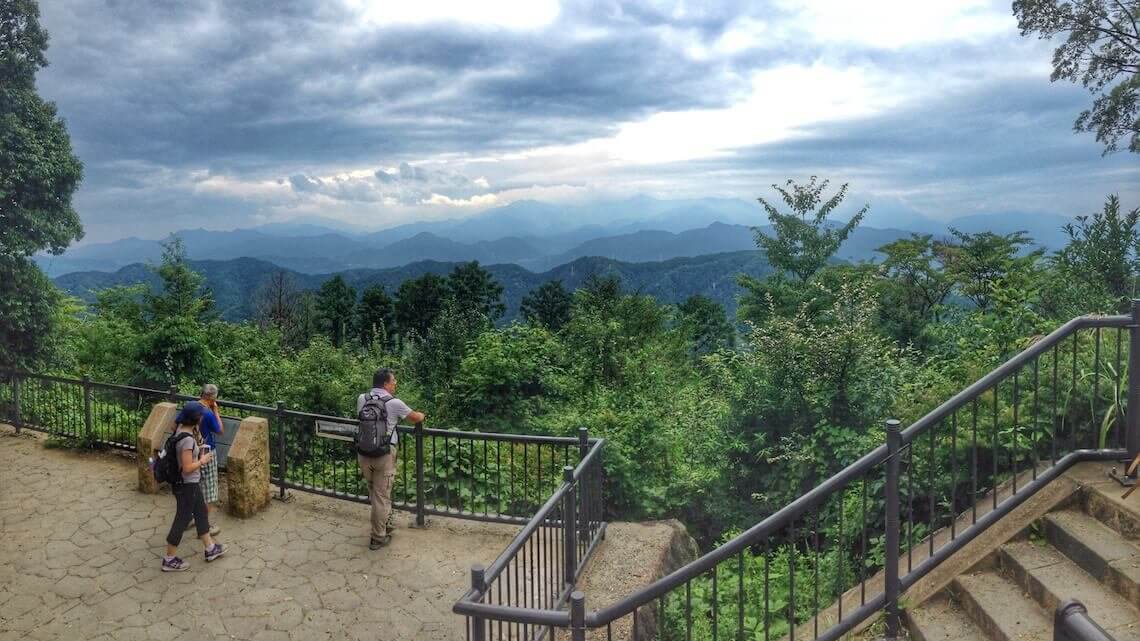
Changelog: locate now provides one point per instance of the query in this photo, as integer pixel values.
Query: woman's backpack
(166, 466)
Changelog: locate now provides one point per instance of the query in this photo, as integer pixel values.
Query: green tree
(1102, 44)
(183, 292)
(804, 240)
(547, 306)
(433, 359)
(336, 301)
(418, 302)
(1104, 249)
(28, 305)
(705, 325)
(506, 380)
(607, 330)
(914, 287)
(375, 318)
(38, 176)
(976, 262)
(173, 341)
(471, 286)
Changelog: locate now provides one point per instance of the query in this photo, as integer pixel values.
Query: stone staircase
(1083, 550)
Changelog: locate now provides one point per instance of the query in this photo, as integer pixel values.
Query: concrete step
(1101, 497)
(940, 619)
(1098, 550)
(1049, 577)
(1001, 608)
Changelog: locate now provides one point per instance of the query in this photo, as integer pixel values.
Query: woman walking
(188, 493)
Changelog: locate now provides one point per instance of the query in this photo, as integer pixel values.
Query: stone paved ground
(80, 554)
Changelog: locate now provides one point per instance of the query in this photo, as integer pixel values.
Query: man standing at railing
(379, 468)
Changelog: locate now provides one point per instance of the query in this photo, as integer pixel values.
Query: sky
(227, 114)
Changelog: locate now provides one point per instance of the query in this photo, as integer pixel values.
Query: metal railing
(1071, 622)
(502, 478)
(542, 564)
(860, 539)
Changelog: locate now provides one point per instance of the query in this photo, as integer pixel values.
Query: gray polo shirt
(397, 409)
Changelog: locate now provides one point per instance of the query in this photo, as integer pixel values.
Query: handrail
(788, 514)
(983, 384)
(539, 517)
(822, 492)
(1071, 622)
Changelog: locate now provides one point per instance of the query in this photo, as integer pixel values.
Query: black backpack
(373, 438)
(166, 466)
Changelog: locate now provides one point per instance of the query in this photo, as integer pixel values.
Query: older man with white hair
(211, 425)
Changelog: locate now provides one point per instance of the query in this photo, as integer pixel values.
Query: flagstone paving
(80, 555)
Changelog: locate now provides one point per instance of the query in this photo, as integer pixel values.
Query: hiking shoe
(174, 565)
(215, 530)
(376, 544)
(214, 552)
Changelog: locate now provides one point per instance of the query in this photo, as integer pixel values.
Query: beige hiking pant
(379, 472)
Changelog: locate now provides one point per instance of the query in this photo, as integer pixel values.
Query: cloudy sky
(224, 114)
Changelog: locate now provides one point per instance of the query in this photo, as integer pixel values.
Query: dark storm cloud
(230, 89)
(196, 113)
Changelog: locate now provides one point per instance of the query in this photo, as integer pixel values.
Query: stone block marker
(247, 469)
(151, 438)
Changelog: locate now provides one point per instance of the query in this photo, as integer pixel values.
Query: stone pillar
(247, 469)
(153, 434)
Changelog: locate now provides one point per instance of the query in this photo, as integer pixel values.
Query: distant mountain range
(235, 282)
(537, 236)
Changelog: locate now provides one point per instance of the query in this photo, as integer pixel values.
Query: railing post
(891, 565)
(578, 616)
(478, 625)
(1132, 434)
(1071, 622)
(18, 418)
(282, 449)
(88, 414)
(421, 514)
(172, 394)
(569, 528)
(585, 492)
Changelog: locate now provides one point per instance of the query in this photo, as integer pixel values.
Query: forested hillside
(235, 283)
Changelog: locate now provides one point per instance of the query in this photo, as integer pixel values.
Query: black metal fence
(543, 563)
(469, 475)
(849, 548)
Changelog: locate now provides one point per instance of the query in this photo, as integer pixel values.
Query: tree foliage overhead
(38, 171)
(1102, 45)
(38, 175)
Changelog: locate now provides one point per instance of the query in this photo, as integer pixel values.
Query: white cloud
(783, 100)
(484, 200)
(892, 24)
